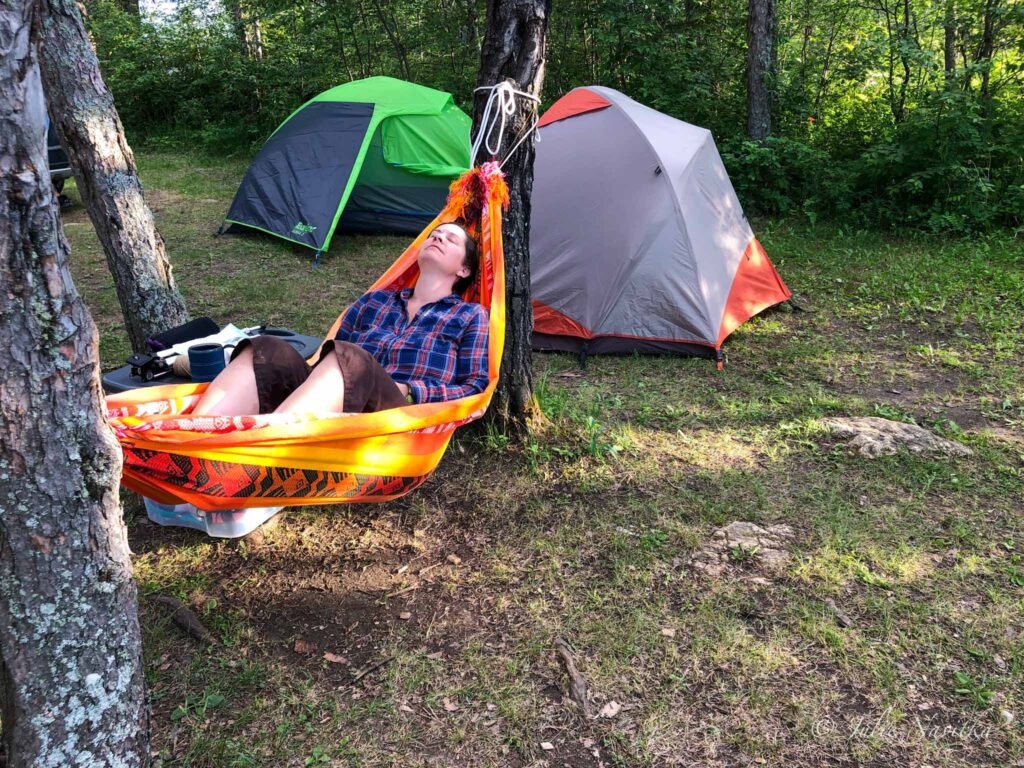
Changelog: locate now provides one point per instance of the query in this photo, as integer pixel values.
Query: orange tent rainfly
(637, 240)
(222, 462)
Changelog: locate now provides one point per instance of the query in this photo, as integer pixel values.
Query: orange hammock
(223, 462)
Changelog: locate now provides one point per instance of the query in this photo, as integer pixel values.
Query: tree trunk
(514, 49)
(340, 40)
(90, 131)
(826, 63)
(987, 47)
(252, 36)
(391, 30)
(949, 43)
(71, 683)
(760, 40)
(248, 30)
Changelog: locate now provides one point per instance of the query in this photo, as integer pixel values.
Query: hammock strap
(500, 107)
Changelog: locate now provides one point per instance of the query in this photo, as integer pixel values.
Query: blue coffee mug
(206, 361)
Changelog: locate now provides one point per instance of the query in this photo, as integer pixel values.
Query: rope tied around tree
(500, 108)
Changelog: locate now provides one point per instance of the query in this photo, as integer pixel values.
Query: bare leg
(323, 391)
(233, 392)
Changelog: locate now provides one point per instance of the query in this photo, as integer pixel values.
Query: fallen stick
(396, 593)
(375, 666)
(184, 617)
(577, 683)
(841, 618)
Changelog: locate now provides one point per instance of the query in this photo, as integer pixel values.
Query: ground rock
(763, 547)
(874, 436)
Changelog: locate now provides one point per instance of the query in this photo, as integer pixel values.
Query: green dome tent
(371, 155)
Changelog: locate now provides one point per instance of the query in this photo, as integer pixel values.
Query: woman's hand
(403, 388)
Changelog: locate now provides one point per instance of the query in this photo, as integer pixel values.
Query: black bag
(193, 329)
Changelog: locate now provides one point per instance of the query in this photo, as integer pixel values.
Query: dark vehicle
(60, 166)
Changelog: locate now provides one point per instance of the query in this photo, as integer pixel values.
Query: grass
(586, 531)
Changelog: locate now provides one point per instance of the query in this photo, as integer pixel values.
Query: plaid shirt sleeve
(470, 366)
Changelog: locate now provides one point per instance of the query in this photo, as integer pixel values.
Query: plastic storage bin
(225, 525)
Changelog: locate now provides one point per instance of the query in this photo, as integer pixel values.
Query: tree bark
(987, 47)
(514, 49)
(949, 43)
(71, 682)
(833, 34)
(248, 30)
(391, 30)
(760, 41)
(90, 131)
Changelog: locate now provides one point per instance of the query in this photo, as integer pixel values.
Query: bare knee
(324, 390)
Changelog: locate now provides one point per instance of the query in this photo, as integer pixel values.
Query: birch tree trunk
(71, 684)
(514, 49)
(89, 128)
(760, 41)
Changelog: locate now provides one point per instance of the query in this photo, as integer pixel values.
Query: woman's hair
(471, 260)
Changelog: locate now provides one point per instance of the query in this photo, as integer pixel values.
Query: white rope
(502, 103)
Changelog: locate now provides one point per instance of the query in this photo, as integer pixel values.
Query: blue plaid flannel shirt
(441, 354)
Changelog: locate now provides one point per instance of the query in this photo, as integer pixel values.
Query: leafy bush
(945, 169)
(784, 177)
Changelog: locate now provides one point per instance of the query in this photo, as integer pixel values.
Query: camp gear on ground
(637, 239)
(228, 462)
(227, 524)
(205, 361)
(170, 365)
(193, 329)
(373, 155)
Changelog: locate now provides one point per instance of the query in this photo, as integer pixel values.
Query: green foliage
(869, 128)
(782, 176)
(197, 706)
(976, 691)
(947, 168)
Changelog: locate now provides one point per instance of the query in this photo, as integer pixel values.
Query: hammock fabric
(224, 462)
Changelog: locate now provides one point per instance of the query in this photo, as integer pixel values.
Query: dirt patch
(161, 199)
(334, 601)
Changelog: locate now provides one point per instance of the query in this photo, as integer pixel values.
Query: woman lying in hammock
(418, 345)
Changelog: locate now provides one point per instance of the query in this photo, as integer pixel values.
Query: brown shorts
(280, 370)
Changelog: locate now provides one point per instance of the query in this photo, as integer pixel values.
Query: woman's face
(445, 249)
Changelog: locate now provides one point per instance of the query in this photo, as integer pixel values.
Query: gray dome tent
(637, 239)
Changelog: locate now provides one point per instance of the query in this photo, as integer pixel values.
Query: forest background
(888, 114)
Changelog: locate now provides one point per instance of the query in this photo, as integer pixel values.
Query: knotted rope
(500, 107)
